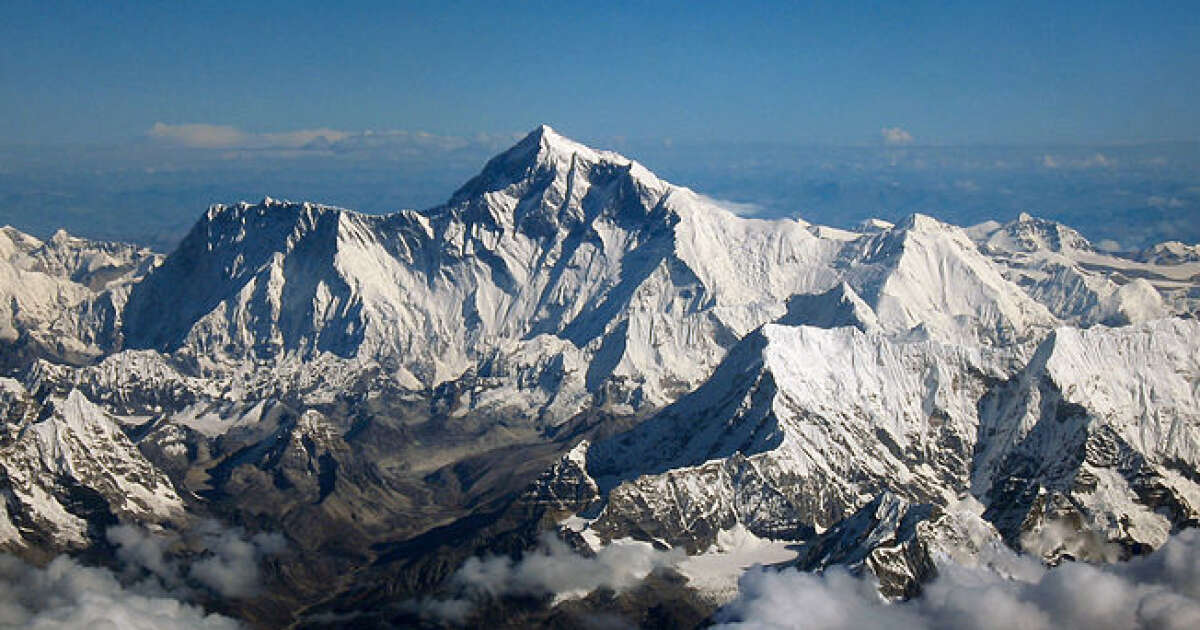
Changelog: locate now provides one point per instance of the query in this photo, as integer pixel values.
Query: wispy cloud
(224, 560)
(204, 136)
(230, 138)
(68, 595)
(896, 136)
(740, 208)
(198, 135)
(551, 569)
(1095, 160)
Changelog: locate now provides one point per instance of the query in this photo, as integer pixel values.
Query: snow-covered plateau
(572, 345)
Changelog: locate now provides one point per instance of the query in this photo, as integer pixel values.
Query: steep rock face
(71, 471)
(902, 544)
(807, 424)
(800, 426)
(565, 487)
(1103, 424)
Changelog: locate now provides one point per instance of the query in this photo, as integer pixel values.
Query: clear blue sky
(947, 73)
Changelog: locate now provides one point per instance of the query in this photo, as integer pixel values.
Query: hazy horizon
(151, 190)
(126, 122)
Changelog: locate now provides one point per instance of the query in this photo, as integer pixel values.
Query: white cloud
(1096, 160)
(326, 140)
(232, 566)
(551, 569)
(895, 136)
(198, 136)
(1161, 590)
(69, 596)
(224, 560)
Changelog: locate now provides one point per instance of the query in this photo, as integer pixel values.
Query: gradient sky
(947, 73)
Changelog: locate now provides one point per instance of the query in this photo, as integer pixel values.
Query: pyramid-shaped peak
(544, 144)
(543, 151)
(920, 223)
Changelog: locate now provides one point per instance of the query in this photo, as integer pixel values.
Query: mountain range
(573, 359)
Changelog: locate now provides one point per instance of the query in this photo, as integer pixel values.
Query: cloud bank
(551, 569)
(227, 561)
(320, 140)
(150, 591)
(68, 596)
(1161, 590)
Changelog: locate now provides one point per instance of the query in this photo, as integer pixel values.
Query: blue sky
(826, 73)
(125, 120)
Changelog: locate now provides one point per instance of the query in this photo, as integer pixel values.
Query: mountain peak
(545, 145)
(920, 223)
(543, 152)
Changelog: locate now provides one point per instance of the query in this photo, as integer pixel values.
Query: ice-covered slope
(1059, 268)
(62, 298)
(1170, 253)
(557, 264)
(928, 277)
(648, 281)
(795, 430)
(1101, 429)
(800, 426)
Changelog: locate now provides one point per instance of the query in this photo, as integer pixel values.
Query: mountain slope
(650, 282)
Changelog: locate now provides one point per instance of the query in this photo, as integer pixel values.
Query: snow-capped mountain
(571, 344)
(67, 468)
(552, 244)
(1058, 267)
(63, 298)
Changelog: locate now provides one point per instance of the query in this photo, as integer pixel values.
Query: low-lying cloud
(1161, 590)
(151, 588)
(227, 561)
(551, 569)
(1094, 161)
(234, 141)
(69, 596)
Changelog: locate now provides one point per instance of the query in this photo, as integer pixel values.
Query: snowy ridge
(1108, 421)
(800, 426)
(825, 419)
(63, 297)
(607, 350)
(1060, 269)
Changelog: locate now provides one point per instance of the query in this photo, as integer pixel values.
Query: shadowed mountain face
(573, 348)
